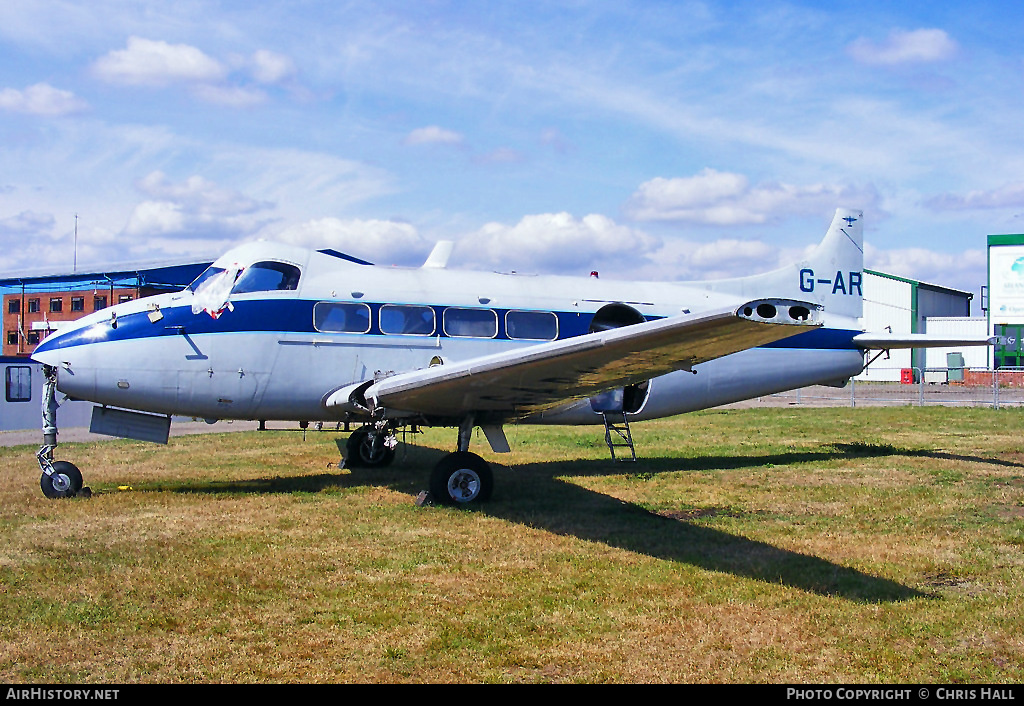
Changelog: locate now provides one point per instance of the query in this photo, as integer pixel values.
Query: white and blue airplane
(273, 332)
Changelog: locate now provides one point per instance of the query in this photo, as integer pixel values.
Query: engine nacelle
(629, 399)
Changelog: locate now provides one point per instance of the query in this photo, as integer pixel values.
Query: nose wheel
(60, 479)
(64, 480)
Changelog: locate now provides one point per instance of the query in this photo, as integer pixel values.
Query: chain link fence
(912, 387)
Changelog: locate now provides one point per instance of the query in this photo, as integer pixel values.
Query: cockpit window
(207, 274)
(267, 277)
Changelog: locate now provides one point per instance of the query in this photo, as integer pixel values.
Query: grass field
(759, 545)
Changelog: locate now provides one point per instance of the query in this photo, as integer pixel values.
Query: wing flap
(524, 381)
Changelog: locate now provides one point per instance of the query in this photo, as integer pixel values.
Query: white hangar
(904, 305)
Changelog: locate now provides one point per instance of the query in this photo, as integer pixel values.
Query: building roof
(159, 275)
(1006, 239)
(923, 285)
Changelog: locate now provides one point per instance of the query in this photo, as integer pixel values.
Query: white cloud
(157, 64)
(199, 194)
(230, 96)
(965, 270)
(723, 198)
(554, 242)
(194, 208)
(381, 241)
(1008, 196)
(728, 257)
(901, 47)
(270, 67)
(155, 218)
(41, 99)
(433, 135)
(27, 223)
(146, 62)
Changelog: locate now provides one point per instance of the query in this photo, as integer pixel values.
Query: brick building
(35, 306)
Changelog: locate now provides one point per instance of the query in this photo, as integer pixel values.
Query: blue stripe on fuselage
(819, 339)
(296, 317)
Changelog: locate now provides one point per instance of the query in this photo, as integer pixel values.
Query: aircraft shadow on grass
(536, 495)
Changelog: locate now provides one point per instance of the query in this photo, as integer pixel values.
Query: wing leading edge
(525, 381)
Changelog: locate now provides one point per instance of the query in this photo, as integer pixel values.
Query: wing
(520, 382)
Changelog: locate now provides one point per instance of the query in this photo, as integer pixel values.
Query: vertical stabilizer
(832, 275)
(438, 258)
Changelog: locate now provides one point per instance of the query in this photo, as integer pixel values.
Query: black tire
(64, 482)
(361, 453)
(461, 479)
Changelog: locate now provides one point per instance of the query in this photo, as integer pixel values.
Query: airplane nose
(55, 348)
(48, 351)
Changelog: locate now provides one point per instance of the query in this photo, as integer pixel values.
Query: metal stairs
(617, 435)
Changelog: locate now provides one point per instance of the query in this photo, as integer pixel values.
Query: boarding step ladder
(617, 435)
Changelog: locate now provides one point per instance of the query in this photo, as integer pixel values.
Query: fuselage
(274, 330)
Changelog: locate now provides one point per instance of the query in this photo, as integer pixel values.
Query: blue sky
(655, 140)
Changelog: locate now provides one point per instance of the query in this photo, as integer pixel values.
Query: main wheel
(461, 478)
(64, 482)
(366, 451)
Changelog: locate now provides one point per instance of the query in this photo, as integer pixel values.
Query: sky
(645, 140)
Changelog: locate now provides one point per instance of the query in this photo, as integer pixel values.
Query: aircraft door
(223, 393)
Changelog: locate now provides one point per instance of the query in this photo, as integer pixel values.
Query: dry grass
(748, 546)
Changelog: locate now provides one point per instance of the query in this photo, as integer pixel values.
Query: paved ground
(35, 436)
(862, 395)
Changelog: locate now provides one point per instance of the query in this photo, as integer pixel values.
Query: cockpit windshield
(214, 288)
(267, 277)
(259, 277)
(207, 274)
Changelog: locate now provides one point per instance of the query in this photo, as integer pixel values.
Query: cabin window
(18, 383)
(341, 317)
(531, 325)
(477, 323)
(267, 277)
(407, 319)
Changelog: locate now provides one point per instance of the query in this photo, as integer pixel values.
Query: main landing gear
(60, 479)
(371, 446)
(461, 478)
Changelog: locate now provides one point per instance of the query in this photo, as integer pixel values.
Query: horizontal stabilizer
(892, 341)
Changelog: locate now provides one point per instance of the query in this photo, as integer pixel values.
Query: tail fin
(831, 275)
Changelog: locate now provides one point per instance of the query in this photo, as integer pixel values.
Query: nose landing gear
(60, 479)
(64, 480)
